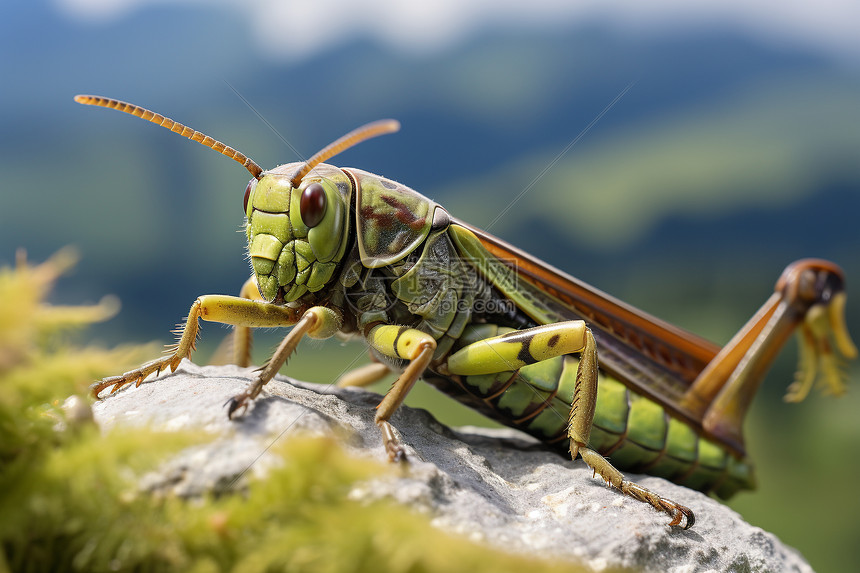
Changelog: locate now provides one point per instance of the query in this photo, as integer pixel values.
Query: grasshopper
(343, 251)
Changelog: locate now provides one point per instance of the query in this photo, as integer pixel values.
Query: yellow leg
(516, 349)
(216, 308)
(364, 375)
(615, 478)
(513, 350)
(316, 322)
(406, 344)
(236, 346)
(242, 337)
(581, 417)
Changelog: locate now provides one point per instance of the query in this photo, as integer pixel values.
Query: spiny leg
(581, 418)
(316, 322)
(615, 478)
(406, 344)
(215, 308)
(516, 349)
(182, 349)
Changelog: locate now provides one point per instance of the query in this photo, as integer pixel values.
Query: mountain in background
(679, 169)
(721, 148)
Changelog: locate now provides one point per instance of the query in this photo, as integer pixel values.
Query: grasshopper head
(296, 235)
(298, 214)
(298, 219)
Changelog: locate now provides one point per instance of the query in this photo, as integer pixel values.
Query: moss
(69, 498)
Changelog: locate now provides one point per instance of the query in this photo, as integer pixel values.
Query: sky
(300, 29)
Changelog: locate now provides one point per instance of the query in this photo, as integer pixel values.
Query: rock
(498, 487)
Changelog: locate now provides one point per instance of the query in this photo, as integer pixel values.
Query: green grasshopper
(339, 250)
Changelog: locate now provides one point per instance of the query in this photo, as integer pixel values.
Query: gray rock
(498, 487)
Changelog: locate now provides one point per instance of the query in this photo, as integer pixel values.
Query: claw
(688, 513)
(393, 447)
(115, 382)
(236, 402)
(678, 511)
(397, 455)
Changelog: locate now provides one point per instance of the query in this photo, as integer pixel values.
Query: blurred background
(711, 146)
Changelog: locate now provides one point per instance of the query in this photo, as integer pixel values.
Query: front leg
(242, 337)
(216, 308)
(316, 322)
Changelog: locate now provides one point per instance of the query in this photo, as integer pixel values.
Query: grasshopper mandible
(340, 250)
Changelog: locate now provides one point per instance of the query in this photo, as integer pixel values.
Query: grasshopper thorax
(297, 235)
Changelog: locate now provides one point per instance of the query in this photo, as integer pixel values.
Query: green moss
(69, 499)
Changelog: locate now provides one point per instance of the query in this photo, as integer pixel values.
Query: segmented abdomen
(635, 433)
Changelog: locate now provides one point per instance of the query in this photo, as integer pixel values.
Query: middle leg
(401, 343)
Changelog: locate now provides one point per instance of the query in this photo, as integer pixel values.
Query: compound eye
(313, 205)
(251, 184)
(808, 288)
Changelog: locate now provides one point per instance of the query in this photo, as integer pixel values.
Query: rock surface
(496, 487)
